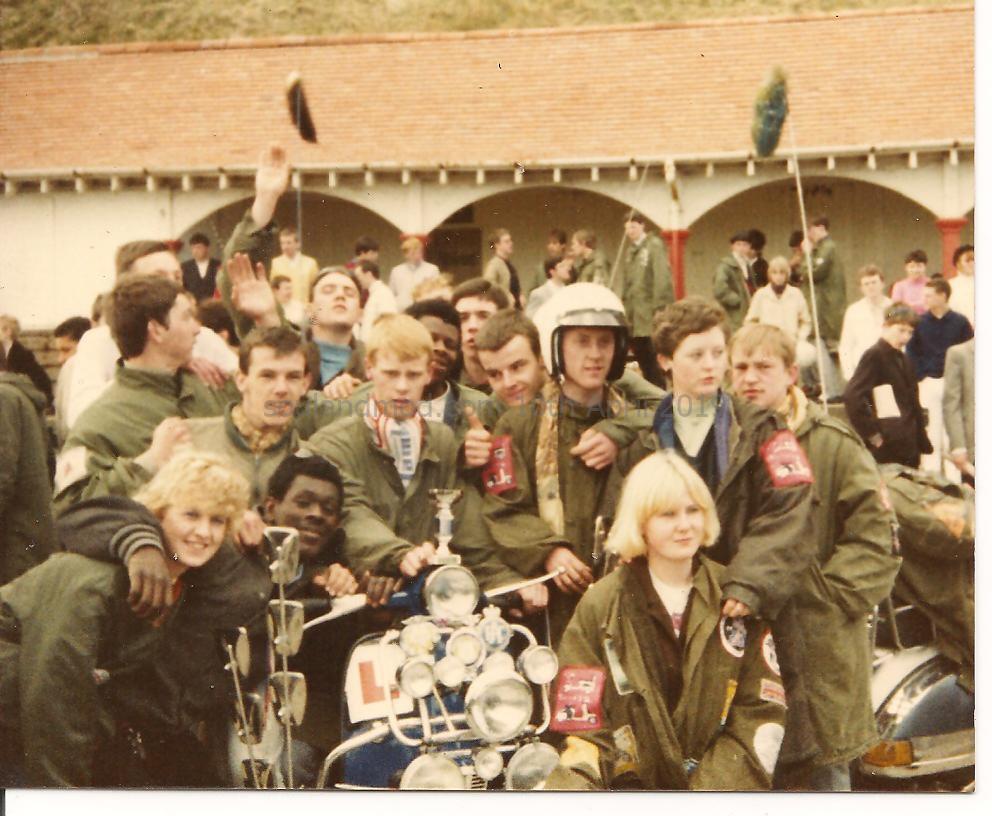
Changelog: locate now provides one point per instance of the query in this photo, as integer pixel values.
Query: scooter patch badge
(579, 699)
(733, 635)
(497, 474)
(785, 460)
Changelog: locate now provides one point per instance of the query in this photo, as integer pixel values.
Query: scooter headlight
(498, 705)
(416, 677)
(466, 645)
(451, 593)
(450, 672)
(539, 664)
(419, 638)
(433, 772)
(530, 767)
(488, 764)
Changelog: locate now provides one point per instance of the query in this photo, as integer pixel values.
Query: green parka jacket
(98, 456)
(707, 742)
(854, 570)
(831, 289)
(27, 533)
(219, 435)
(382, 519)
(766, 540)
(65, 630)
(730, 290)
(644, 283)
(594, 269)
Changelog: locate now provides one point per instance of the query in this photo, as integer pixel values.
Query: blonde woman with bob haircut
(658, 689)
(67, 631)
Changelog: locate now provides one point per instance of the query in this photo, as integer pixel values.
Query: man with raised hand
(854, 567)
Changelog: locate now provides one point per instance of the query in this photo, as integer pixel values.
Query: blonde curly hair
(205, 481)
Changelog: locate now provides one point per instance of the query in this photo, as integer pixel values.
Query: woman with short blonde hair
(658, 689)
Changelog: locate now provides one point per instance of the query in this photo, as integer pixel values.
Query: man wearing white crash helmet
(541, 502)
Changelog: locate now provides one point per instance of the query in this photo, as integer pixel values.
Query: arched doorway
(460, 243)
(330, 227)
(870, 223)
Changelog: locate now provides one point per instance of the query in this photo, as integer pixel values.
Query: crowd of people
(209, 399)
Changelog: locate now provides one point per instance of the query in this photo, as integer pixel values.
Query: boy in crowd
(410, 274)
(854, 567)
(335, 308)
(939, 329)
(863, 320)
(761, 482)
(499, 271)
(67, 336)
(390, 459)
(476, 300)
(963, 283)
(559, 273)
(909, 290)
(200, 271)
(299, 268)
(644, 284)
(294, 310)
(779, 304)
(135, 425)
(591, 265)
(379, 299)
(882, 399)
(732, 281)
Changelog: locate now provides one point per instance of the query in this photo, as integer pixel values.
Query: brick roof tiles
(856, 78)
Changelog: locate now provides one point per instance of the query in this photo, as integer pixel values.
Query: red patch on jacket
(497, 474)
(578, 699)
(786, 461)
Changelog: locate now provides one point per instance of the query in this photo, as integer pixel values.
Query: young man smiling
(854, 567)
(476, 300)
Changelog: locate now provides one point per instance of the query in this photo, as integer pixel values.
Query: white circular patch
(733, 635)
(769, 653)
(767, 742)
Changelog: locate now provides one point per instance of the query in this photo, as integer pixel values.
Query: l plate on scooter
(286, 641)
(366, 681)
(291, 695)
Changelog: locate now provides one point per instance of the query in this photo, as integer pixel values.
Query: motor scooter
(924, 700)
(451, 697)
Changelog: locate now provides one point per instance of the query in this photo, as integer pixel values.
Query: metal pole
(809, 262)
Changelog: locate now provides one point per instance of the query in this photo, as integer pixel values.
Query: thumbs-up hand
(478, 441)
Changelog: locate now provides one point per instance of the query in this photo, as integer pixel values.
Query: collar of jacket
(239, 440)
(724, 423)
(23, 384)
(173, 384)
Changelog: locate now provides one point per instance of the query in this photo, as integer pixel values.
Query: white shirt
(380, 302)
(673, 598)
(788, 311)
(861, 329)
(63, 387)
(963, 296)
(433, 410)
(96, 361)
(405, 277)
(541, 295)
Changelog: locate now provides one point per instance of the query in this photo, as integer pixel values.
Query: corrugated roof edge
(299, 40)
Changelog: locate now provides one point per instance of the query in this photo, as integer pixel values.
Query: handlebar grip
(312, 607)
